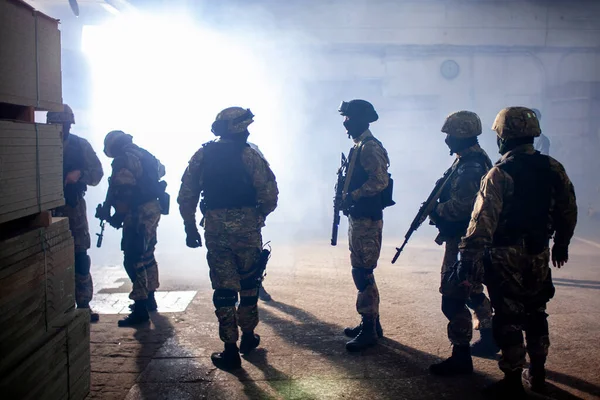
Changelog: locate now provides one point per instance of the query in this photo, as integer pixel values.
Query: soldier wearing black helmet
(363, 202)
(524, 200)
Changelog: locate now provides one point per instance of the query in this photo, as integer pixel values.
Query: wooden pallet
(25, 224)
(16, 112)
(37, 282)
(56, 365)
(30, 169)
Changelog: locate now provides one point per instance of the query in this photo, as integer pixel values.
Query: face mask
(501, 145)
(355, 128)
(457, 145)
(506, 145)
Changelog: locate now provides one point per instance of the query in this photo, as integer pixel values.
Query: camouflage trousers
(364, 237)
(520, 286)
(232, 257)
(78, 224)
(84, 286)
(456, 301)
(138, 244)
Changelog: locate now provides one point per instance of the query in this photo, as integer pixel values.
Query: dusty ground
(302, 352)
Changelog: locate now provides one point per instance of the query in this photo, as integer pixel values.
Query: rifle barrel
(399, 250)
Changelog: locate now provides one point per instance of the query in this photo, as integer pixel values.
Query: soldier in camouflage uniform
(366, 179)
(81, 167)
(238, 191)
(134, 191)
(524, 199)
(451, 216)
(542, 142)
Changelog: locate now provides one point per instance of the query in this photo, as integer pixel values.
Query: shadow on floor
(583, 284)
(390, 370)
(151, 337)
(572, 382)
(322, 368)
(393, 370)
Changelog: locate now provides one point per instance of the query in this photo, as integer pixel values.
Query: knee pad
(82, 263)
(537, 325)
(247, 301)
(451, 306)
(224, 298)
(363, 277)
(507, 331)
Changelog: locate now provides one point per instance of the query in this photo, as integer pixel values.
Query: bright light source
(163, 79)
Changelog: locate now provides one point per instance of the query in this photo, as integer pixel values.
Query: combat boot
(263, 294)
(151, 305)
(353, 332)
(228, 359)
(535, 379)
(138, 316)
(460, 362)
(249, 342)
(367, 336)
(510, 387)
(94, 316)
(486, 345)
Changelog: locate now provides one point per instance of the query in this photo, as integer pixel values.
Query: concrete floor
(302, 352)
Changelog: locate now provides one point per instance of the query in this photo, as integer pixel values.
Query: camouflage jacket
(127, 172)
(229, 220)
(453, 212)
(91, 173)
(497, 187)
(375, 161)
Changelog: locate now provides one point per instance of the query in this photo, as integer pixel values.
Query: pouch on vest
(387, 194)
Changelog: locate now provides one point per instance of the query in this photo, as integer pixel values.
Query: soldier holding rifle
(362, 194)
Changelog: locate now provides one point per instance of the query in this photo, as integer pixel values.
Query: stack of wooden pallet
(31, 173)
(44, 342)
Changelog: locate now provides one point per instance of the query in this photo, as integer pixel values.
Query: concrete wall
(543, 54)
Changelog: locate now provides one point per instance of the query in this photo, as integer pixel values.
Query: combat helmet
(115, 139)
(462, 125)
(358, 109)
(516, 122)
(61, 117)
(232, 120)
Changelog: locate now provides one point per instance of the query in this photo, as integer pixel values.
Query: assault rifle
(337, 199)
(427, 207)
(103, 214)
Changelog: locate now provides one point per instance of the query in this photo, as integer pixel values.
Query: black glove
(560, 255)
(193, 239)
(464, 270)
(116, 221)
(347, 202)
(434, 218)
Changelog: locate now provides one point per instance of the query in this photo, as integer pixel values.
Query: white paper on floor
(118, 303)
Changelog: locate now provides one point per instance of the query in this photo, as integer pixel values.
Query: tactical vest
(227, 183)
(526, 215)
(148, 187)
(365, 207)
(73, 159)
(459, 228)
